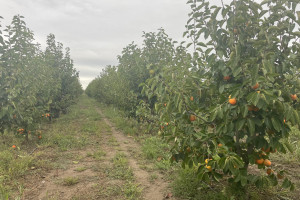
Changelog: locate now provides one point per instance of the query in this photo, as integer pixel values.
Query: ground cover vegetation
(229, 109)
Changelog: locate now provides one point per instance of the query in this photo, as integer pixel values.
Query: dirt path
(151, 191)
(89, 172)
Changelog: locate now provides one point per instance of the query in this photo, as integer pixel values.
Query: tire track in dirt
(151, 191)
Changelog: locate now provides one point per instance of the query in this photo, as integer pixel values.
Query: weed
(98, 155)
(120, 168)
(132, 191)
(153, 177)
(80, 169)
(69, 181)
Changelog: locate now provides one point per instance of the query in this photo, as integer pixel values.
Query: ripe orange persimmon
(13, 146)
(254, 87)
(192, 118)
(226, 78)
(220, 145)
(294, 97)
(192, 98)
(259, 161)
(165, 105)
(232, 101)
(267, 163)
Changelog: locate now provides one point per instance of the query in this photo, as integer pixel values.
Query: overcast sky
(97, 30)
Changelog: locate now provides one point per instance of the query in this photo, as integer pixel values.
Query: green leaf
(237, 71)
(276, 124)
(201, 44)
(221, 88)
(286, 183)
(245, 111)
(239, 124)
(255, 98)
(251, 125)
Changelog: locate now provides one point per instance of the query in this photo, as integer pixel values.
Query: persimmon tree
(30, 82)
(232, 105)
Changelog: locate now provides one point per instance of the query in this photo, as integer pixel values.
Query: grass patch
(112, 141)
(90, 127)
(110, 191)
(67, 142)
(80, 169)
(69, 181)
(129, 126)
(132, 190)
(120, 169)
(98, 155)
(153, 177)
(127, 190)
(155, 149)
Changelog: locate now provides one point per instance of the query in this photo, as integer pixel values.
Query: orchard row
(236, 94)
(34, 84)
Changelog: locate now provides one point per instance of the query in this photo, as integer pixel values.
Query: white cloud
(97, 30)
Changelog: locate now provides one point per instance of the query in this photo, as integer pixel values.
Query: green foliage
(245, 52)
(120, 85)
(33, 82)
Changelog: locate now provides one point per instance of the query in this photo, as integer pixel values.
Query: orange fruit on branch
(267, 163)
(232, 101)
(192, 118)
(192, 98)
(226, 78)
(13, 146)
(294, 97)
(254, 87)
(259, 161)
